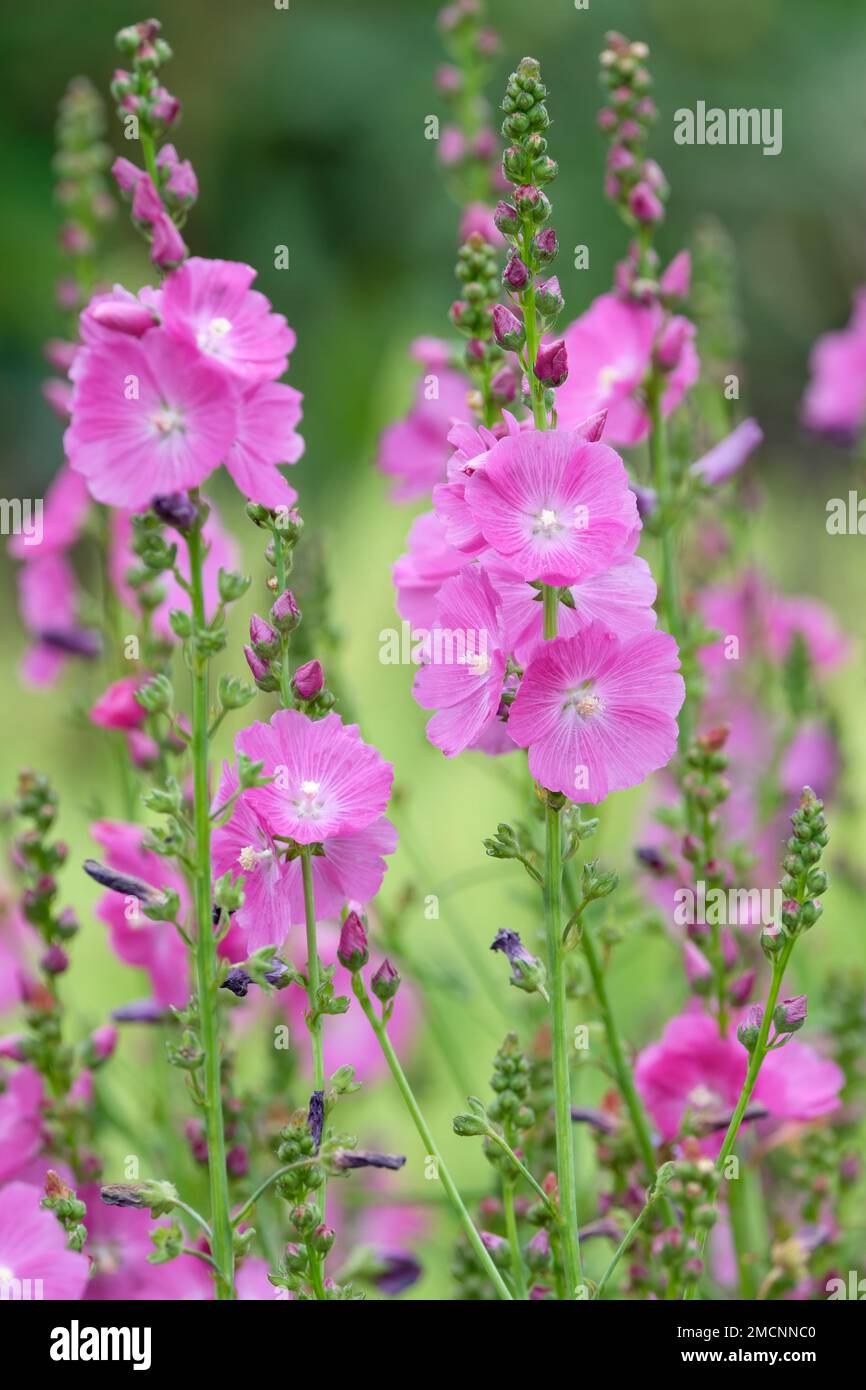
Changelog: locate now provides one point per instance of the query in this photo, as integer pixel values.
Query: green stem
(565, 1166)
(756, 1061)
(313, 973)
(738, 1214)
(205, 947)
(626, 1242)
(403, 1086)
(616, 1049)
(521, 1167)
(517, 1274)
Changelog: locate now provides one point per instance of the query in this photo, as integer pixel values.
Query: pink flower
(835, 399)
(327, 781)
(419, 574)
(464, 675)
(209, 305)
(620, 598)
(478, 217)
(597, 714)
(117, 707)
(33, 1247)
(471, 449)
(20, 1121)
(810, 760)
(414, 450)
(150, 417)
(48, 600)
(330, 789)
(152, 946)
(556, 507)
(692, 1069)
(348, 1038)
(167, 246)
(610, 351)
(63, 513)
(267, 414)
(764, 621)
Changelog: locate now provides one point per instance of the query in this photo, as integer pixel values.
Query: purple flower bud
(551, 363)
(238, 982)
(515, 274)
(607, 119)
(397, 1273)
(644, 204)
(285, 613)
(790, 1015)
(176, 509)
(123, 316)
(750, 1027)
(508, 329)
(362, 1158)
(262, 672)
(352, 950)
(385, 982)
(619, 158)
(308, 680)
(527, 197)
(264, 639)
(139, 1011)
(545, 245)
(124, 884)
(548, 297)
(54, 961)
(506, 219)
(316, 1117)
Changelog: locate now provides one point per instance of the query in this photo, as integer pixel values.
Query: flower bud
(551, 363)
(790, 1015)
(506, 219)
(750, 1028)
(352, 950)
(285, 613)
(308, 680)
(644, 205)
(385, 982)
(515, 275)
(123, 316)
(548, 297)
(670, 347)
(508, 329)
(264, 639)
(545, 246)
(176, 509)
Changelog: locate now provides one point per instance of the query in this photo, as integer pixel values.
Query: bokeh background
(306, 128)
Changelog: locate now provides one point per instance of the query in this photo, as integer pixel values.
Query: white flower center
(250, 858)
(210, 338)
(6, 1274)
(609, 377)
(547, 518)
(701, 1097)
(584, 703)
(167, 421)
(478, 662)
(308, 806)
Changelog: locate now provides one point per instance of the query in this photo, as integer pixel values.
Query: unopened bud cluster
(532, 244)
(477, 270)
(634, 183)
(467, 142)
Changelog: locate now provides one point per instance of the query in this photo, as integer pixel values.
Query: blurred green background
(306, 128)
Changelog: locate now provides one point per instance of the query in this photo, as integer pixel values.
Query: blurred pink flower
(152, 946)
(117, 707)
(693, 1069)
(33, 1246)
(414, 450)
(610, 349)
(835, 399)
(20, 1121)
(418, 575)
